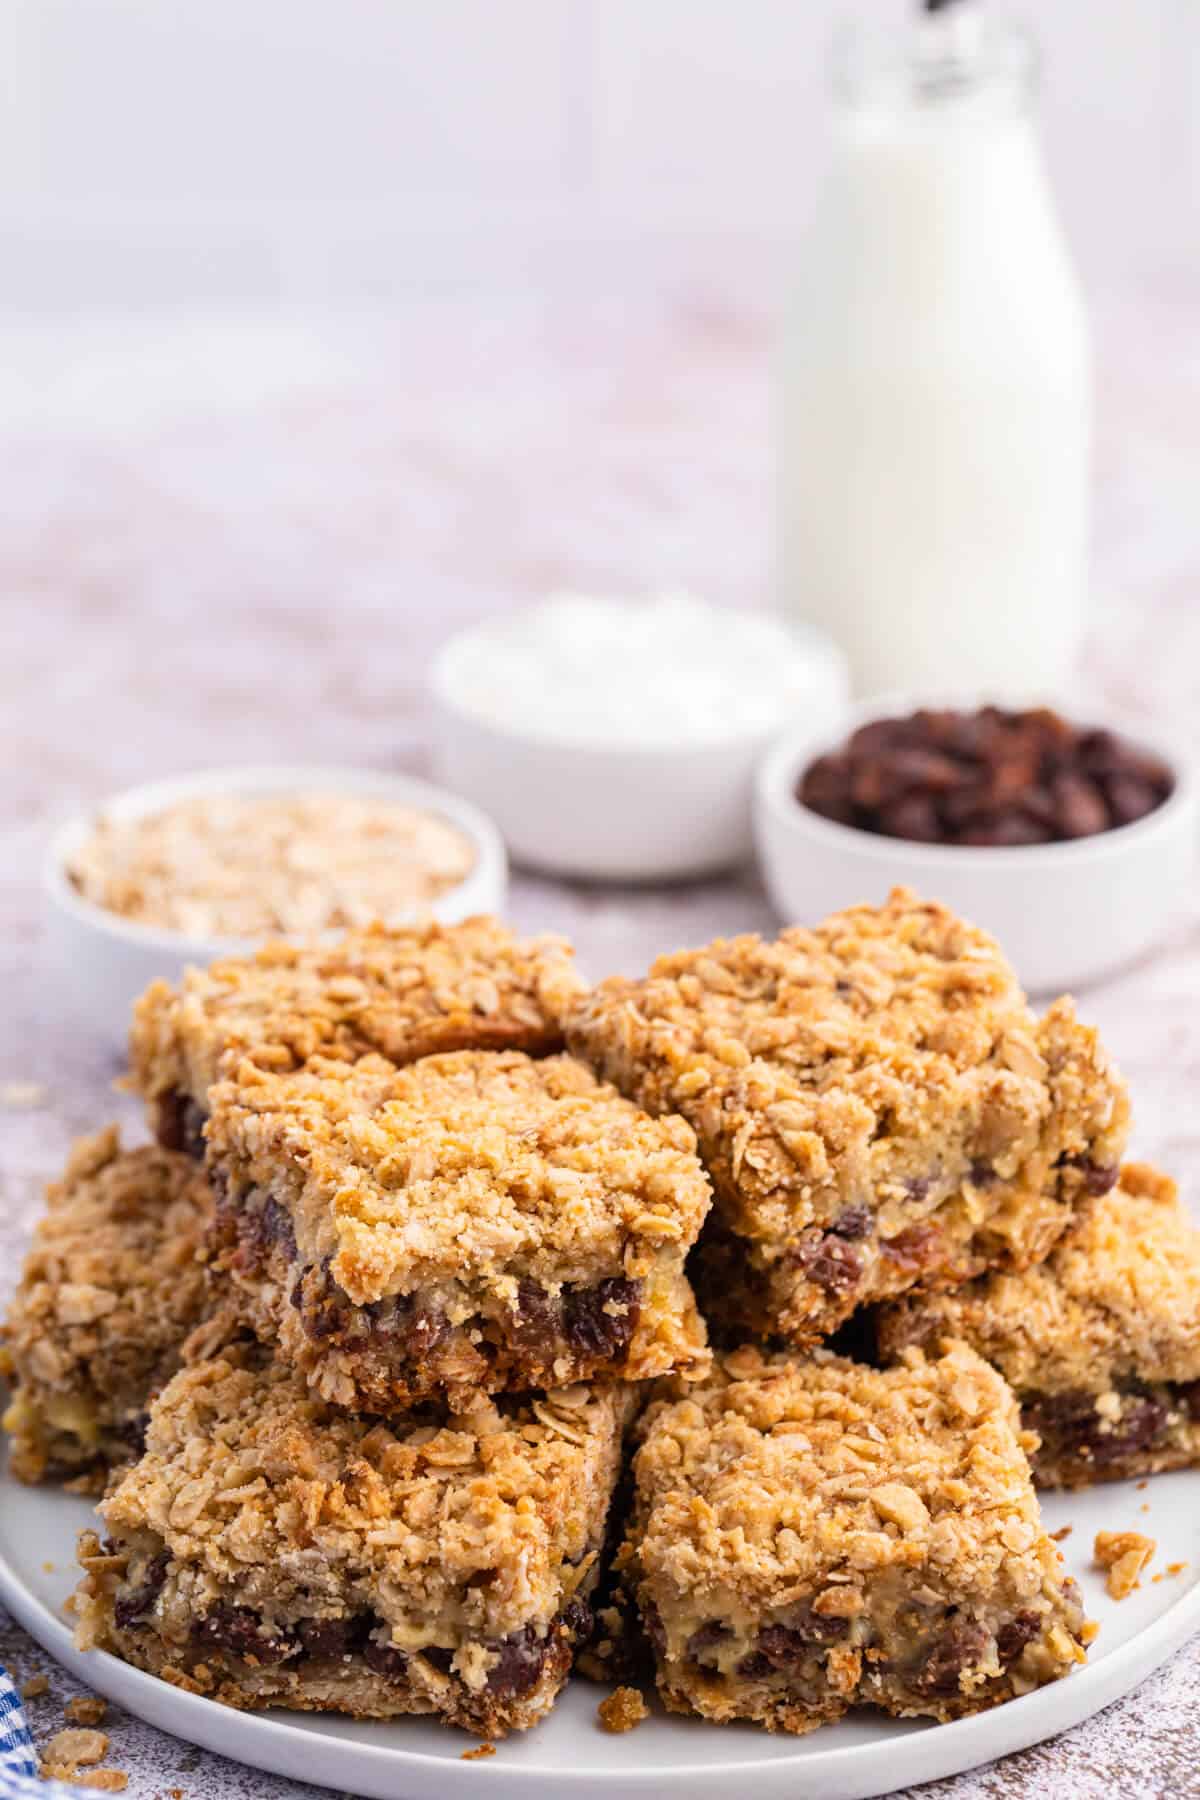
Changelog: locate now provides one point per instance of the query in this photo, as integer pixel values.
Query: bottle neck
(960, 61)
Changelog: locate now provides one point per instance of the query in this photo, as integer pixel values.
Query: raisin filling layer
(240, 1635)
(586, 1324)
(790, 1653)
(1071, 1427)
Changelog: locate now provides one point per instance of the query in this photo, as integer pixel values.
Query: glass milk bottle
(934, 392)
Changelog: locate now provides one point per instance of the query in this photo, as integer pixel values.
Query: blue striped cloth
(18, 1758)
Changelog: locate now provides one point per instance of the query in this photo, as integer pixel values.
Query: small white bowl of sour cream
(616, 741)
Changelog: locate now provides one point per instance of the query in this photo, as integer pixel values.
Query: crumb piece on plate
(876, 1104)
(809, 1535)
(1176, 1568)
(1062, 1534)
(476, 1222)
(400, 994)
(1101, 1342)
(35, 1687)
(1124, 1554)
(478, 1753)
(109, 1290)
(86, 1709)
(1090, 1632)
(622, 1710)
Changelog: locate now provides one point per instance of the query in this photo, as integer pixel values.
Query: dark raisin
(439, 1656)
(323, 1307)
(1141, 1422)
(385, 1659)
(179, 1124)
(1188, 1396)
(537, 1320)
(332, 1638)
(829, 1261)
(856, 1222)
(518, 1663)
(756, 1666)
(784, 1645)
(261, 1225)
(914, 1249)
(982, 1175)
(1012, 1638)
(133, 1432)
(594, 1332)
(1130, 799)
(239, 1631)
(577, 1620)
(955, 1648)
(1079, 805)
(134, 1605)
(1098, 1178)
(704, 1641)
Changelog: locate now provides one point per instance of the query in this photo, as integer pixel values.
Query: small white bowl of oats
(188, 869)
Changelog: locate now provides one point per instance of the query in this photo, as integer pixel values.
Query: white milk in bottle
(934, 401)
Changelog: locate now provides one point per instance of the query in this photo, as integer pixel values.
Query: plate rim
(276, 1745)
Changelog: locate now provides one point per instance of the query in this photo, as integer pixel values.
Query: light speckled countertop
(225, 540)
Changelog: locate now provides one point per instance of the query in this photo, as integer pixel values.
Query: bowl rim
(792, 751)
(829, 672)
(488, 872)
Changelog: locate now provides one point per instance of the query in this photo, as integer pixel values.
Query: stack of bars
(359, 1351)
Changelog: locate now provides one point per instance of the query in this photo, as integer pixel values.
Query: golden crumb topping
(401, 993)
(459, 1166)
(784, 1477)
(1119, 1297)
(886, 1057)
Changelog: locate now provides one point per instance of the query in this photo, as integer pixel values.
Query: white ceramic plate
(569, 1753)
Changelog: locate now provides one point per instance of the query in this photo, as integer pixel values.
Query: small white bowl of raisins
(1069, 834)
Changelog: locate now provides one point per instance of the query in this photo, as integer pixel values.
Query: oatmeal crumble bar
(400, 993)
(111, 1287)
(811, 1535)
(1101, 1342)
(875, 1102)
(473, 1222)
(271, 1550)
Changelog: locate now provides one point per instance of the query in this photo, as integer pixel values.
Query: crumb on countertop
(86, 1709)
(111, 1781)
(623, 1709)
(75, 1745)
(35, 1687)
(22, 1096)
(1124, 1554)
(480, 1751)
